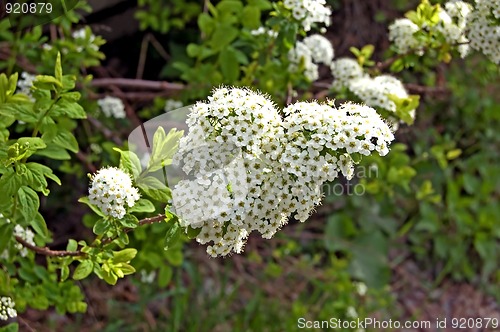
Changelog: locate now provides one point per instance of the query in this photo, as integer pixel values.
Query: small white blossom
(112, 191)
(148, 278)
(7, 308)
(301, 56)
(361, 288)
(25, 83)
(27, 235)
(80, 35)
(172, 104)
(264, 31)
(112, 107)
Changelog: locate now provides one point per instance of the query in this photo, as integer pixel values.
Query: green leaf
(250, 17)
(229, 64)
(164, 148)
(58, 68)
(129, 162)
(101, 226)
(206, 24)
(28, 203)
(46, 82)
(65, 139)
(126, 269)
(39, 225)
(72, 245)
(164, 276)
(5, 235)
(155, 189)
(192, 232)
(173, 235)
(129, 221)
(124, 256)
(64, 107)
(85, 200)
(55, 152)
(83, 270)
(453, 154)
(142, 205)
(223, 36)
(12, 327)
(10, 183)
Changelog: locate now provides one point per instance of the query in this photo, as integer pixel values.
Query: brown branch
(48, 252)
(135, 83)
(64, 253)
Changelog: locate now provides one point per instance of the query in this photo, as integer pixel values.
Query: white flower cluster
(252, 170)
(172, 104)
(401, 33)
(308, 53)
(344, 70)
(7, 308)
(112, 107)
(112, 191)
(374, 91)
(25, 83)
(81, 35)
(483, 32)
(309, 12)
(453, 23)
(27, 235)
(460, 24)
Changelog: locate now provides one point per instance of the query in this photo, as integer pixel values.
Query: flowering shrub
(246, 160)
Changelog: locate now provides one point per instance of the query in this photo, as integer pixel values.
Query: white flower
(309, 12)
(148, 278)
(27, 235)
(254, 170)
(112, 191)
(25, 83)
(301, 56)
(351, 312)
(321, 49)
(401, 33)
(482, 31)
(264, 31)
(7, 308)
(345, 70)
(112, 107)
(172, 104)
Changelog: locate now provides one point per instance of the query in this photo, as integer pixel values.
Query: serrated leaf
(28, 203)
(65, 139)
(83, 270)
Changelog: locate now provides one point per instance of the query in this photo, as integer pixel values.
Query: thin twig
(134, 83)
(64, 253)
(46, 251)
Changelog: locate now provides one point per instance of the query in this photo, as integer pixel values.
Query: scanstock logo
(173, 161)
